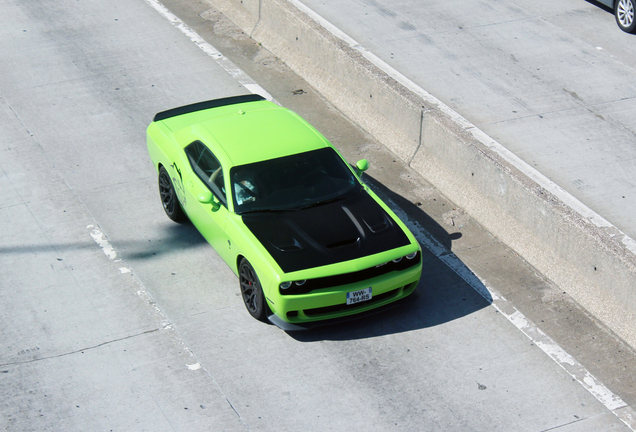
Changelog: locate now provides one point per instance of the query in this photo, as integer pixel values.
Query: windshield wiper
(264, 210)
(317, 203)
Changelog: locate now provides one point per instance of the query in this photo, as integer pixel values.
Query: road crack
(79, 350)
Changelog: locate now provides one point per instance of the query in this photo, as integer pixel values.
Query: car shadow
(178, 237)
(601, 6)
(415, 213)
(448, 290)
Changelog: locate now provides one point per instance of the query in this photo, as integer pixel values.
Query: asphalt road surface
(113, 317)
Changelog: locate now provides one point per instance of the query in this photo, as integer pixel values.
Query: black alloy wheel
(252, 291)
(168, 197)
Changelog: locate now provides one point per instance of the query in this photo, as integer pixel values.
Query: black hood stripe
(334, 232)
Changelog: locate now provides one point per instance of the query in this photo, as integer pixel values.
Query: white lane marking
(576, 370)
(101, 239)
(237, 73)
(103, 242)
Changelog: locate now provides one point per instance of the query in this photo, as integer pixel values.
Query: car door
(206, 197)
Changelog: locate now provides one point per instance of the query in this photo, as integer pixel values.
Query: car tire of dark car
(624, 12)
(251, 291)
(168, 197)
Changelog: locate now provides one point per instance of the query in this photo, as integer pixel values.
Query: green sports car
(309, 242)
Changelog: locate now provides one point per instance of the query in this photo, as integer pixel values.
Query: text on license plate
(354, 297)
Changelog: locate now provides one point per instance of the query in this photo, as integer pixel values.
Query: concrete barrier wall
(579, 251)
(340, 73)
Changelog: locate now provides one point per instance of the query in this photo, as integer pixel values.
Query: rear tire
(624, 12)
(251, 291)
(169, 199)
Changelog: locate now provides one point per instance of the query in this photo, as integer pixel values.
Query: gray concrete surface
(555, 191)
(115, 318)
(551, 82)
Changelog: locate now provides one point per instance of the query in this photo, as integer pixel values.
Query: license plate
(354, 297)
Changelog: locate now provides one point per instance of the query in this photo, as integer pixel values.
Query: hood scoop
(378, 225)
(343, 243)
(287, 245)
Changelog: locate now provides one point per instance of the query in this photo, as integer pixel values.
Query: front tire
(169, 198)
(251, 291)
(624, 12)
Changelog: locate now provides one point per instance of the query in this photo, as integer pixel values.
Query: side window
(207, 167)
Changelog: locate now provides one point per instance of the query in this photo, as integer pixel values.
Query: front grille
(346, 307)
(348, 278)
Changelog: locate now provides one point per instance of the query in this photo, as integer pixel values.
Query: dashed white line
(103, 242)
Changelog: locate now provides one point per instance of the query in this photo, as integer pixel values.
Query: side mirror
(216, 205)
(205, 197)
(362, 166)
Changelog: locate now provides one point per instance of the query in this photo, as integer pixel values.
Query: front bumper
(406, 298)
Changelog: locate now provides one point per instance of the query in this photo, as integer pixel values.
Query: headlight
(287, 285)
(397, 260)
(411, 255)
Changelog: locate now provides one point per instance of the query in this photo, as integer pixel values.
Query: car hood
(327, 233)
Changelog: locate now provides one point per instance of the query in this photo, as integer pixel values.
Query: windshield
(291, 182)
